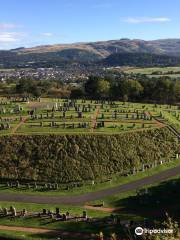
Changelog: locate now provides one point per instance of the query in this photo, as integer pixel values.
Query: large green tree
(103, 88)
(177, 90)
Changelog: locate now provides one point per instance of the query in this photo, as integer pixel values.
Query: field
(58, 116)
(172, 72)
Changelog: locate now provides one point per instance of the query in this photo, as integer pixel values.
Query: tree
(129, 89)
(28, 86)
(177, 90)
(77, 93)
(164, 90)
(91, 86)
(134, 88)
(103, 88)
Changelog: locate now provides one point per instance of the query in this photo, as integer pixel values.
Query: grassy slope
(116, 181)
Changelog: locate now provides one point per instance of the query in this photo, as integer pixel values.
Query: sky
(27, 23)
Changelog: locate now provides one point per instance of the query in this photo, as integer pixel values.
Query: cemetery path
(94, 119)
(91, 196)
(18, 125)
(57, 233)
(39, 105)
(159, 123)
(102, 209)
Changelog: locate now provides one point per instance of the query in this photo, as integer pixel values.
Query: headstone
(44, 211)
(17, 184)
(64, 217)
(85, 214)
(5, 211)
(57, 211)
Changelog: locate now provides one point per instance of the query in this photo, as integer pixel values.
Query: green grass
(150, 70)
(13, 235)
(124, 200)
(33, 207)
(165, 75)
(32, 126)
(117, 200)
(19, 235)
(70, 226)
(172, 120)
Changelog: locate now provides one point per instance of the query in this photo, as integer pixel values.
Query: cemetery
(69, 141)
(64, 116)
(63, 147)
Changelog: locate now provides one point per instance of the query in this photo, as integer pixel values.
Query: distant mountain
(59, 54)
(140, 60)
(105, 48)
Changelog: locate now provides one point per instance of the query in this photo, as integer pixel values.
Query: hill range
(93, 52)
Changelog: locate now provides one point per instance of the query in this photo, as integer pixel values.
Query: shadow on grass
(154, 202)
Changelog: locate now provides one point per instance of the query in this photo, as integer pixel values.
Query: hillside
(140, 60)
(60, 54)
(70, 158)
(105, 48)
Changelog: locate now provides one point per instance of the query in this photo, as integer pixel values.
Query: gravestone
(57, 211)
(44, 212)
(5, 211)
(85, 214)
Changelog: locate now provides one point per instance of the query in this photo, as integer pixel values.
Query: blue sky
(38, 22)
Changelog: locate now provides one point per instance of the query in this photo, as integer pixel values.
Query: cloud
(10, 37)
(136, 20)
(47, 34)
(4, 26)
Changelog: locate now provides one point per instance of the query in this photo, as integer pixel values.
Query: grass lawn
(32, 207)
(92, 112)
(117, 118)
(18, 235)
(70, 226)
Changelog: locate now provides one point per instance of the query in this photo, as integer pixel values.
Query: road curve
(83, 198)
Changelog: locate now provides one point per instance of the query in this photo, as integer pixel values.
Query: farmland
(172, 72)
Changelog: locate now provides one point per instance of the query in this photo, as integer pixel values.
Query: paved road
(82, 199)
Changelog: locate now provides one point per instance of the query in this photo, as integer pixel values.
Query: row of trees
(126, 87)
(160, 90)
(36, 88)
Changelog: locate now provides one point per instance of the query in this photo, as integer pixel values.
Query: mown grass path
(19, 125)
(87, 197)
(94, 119)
